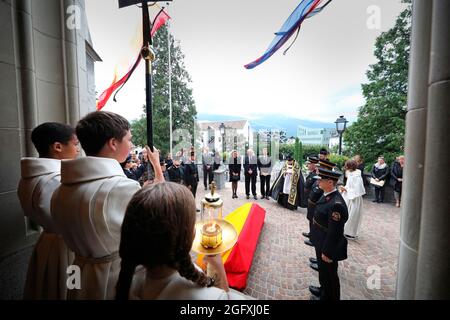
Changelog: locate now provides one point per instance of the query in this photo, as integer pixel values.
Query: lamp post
(341, 124)
(222, 133)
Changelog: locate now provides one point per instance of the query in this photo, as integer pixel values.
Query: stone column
(416, 119)
(433, 264)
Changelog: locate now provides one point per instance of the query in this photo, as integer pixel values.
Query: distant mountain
(271, 121)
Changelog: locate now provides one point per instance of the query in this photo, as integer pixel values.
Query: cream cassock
(353, 199)
(46, 276)
(89, 208)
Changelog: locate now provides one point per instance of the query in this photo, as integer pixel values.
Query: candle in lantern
(211, 235)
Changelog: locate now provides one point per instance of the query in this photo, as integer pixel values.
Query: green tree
(183, 106)
(380, 125)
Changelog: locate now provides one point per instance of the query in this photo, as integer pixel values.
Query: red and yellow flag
(160, 20)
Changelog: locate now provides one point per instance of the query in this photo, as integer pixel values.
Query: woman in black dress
(234, 167)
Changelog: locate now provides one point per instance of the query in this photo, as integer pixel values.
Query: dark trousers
(252, 179)
(208, 176)
(379, 194)
(265, 185)
(328, 279)
(194, 189)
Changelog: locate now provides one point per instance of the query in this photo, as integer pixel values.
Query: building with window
(320, 136)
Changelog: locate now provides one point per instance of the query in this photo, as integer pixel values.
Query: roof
(236, 124)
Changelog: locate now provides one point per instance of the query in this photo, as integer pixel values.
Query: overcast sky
(319, 78)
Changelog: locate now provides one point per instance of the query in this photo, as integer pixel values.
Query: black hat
(327, 164)
(289, 157)
(329, 174)
(313, 160)
(323, 151)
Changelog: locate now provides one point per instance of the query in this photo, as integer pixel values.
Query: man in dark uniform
(327, 234)
(176, 171)
(313, 192)
(191, 174)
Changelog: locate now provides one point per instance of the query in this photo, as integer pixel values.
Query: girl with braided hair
(157, 233)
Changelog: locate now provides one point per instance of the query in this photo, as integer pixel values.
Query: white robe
(176, 287)
(46, 276)
(353, 199)
(89, 208)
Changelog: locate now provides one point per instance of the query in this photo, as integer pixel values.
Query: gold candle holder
(211, 235)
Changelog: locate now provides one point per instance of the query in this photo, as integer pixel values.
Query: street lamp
(222, 133)
(341, 124)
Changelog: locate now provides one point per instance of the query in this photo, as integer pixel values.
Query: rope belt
(325, 229)
(101, 260)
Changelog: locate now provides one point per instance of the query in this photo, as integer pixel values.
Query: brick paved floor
(280, 268)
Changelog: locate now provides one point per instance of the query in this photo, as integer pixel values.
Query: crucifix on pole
(148, 55)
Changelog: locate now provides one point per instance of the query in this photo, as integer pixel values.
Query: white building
(320, 136)
(237, 134)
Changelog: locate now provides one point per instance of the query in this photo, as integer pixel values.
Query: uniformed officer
(313, 192)
(327, 233)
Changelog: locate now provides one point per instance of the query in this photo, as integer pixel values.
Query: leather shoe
(267, 198)
(309, 243)
(314, 290)
(313, 260)
(314, 266)
(248, 197)
(255, 197)
(305, 234)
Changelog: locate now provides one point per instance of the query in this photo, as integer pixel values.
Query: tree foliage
(380, 126)
(183, 105)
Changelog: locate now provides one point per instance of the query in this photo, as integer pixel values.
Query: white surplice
(353, 199)
(88, 209)
(46, 276)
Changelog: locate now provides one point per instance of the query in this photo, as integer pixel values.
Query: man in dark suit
(208, 168)
(191, 174)
(327, 234)
(265, 169)
(250, 173)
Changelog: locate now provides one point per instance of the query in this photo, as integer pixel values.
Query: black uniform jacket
(191, 174)
(314, 195)
(327, 232)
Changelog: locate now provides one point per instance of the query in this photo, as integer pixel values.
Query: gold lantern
(213, 234)
(210, 217)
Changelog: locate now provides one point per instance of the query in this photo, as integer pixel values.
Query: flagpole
(170, 87)
(148, 55)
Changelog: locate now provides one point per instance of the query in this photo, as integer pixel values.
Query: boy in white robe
(46, 276)
(90, 204)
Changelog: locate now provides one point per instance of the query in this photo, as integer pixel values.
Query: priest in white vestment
(352, 193)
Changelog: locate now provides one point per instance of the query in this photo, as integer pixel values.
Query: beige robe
(88, 208)
(46, 276)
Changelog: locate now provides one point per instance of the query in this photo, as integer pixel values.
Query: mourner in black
(380, 172)
(265, 169)
(250, 173)
(234, 168)
(208, 168)
(126, 167)
(191, 174)
(397, 177)
(176, 173)
(327, 234)
(288, 188)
